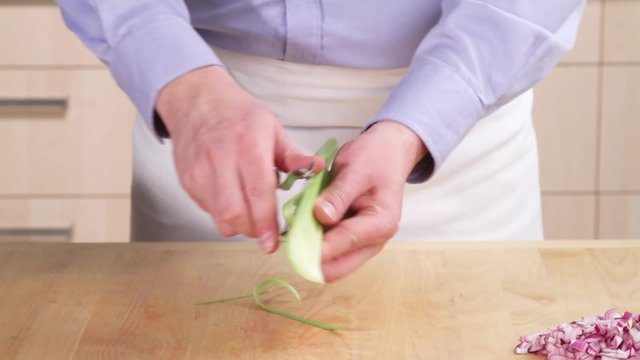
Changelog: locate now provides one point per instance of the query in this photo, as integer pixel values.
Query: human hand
(226, 146)
(369, 174)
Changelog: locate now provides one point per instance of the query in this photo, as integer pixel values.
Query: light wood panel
(587, 47)
(620, 129)
(415, 300)
(86, 150)
(622, 26)
(620, 216)
(63, 220)
(569, 216)
(565, 118)
(35, 34)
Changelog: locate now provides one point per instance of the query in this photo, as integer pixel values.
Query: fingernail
(328, 209)
(266, 242)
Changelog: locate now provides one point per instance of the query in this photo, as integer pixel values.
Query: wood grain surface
(413, 301)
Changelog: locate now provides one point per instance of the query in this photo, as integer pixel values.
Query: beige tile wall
(587, 115)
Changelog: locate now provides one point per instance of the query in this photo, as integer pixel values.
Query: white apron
(487, 189)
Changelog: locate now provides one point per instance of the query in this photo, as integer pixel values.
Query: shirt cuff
(438, 105)
(150, 55)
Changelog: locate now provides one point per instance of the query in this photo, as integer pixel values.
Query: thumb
(337, 198)
(288, 157)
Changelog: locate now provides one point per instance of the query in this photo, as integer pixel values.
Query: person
(431, 99)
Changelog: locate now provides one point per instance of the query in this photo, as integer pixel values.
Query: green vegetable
(268, 285)
(303, 240)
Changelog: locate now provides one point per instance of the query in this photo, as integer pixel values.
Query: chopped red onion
(614, 335)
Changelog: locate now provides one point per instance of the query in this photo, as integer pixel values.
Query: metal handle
(27, 2)
(55, 233)
(33, 107)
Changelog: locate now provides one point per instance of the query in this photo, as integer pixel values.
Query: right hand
(226, 147)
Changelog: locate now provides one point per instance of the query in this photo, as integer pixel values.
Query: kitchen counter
(432, 300)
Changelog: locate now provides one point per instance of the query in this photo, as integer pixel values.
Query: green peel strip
(268, 285)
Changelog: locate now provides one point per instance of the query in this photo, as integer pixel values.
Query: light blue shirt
(466, 57)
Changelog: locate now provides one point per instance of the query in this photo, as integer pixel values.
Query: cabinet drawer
(64, 132)
(35, 34)
(77, 220)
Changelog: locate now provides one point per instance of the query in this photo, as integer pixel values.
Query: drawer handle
(55, 232)
(27, 2)
(49, 107)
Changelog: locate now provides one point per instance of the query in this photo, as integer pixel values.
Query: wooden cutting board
(414, 300)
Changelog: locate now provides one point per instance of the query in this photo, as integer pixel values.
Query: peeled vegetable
(303, 239)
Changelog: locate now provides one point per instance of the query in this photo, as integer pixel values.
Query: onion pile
(614, 335)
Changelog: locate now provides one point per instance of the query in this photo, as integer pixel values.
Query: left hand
(369, 174)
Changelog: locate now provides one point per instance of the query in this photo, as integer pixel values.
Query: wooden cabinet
(92, 219)
(33, 33)
(65, 134)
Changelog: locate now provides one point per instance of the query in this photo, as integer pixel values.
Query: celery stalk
(303, 240)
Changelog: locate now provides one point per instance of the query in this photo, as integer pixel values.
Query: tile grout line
(599, 115)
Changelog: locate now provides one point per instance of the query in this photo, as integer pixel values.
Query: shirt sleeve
(145, 43)
(480, 55)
